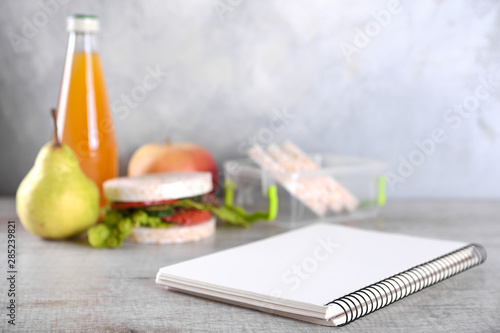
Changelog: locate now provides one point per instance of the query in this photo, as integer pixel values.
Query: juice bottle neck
(82, 42)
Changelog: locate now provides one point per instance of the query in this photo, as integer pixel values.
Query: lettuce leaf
(117, 224)
(235, 214)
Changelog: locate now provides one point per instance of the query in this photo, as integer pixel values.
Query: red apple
(167, 157)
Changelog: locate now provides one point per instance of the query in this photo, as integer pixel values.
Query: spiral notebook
(325, 274)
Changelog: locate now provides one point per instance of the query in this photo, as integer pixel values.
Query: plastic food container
(361, 177)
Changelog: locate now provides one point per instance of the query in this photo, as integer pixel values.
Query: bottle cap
(83, 23)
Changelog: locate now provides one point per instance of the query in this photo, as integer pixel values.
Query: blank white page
(312, 265)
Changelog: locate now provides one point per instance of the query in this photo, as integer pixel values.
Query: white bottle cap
(83, 23)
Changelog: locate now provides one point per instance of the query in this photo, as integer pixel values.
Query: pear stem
(55, 138)
(168, 142)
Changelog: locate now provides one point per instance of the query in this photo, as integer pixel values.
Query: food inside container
(362, 179)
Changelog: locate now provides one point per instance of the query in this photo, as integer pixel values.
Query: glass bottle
(84, 117)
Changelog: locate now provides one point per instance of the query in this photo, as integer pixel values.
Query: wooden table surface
(69, 286)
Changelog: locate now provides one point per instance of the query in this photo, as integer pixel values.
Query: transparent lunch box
(362, 179)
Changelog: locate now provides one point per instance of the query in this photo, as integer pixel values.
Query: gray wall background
(231, 64)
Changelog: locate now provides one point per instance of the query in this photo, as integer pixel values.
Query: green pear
(56, 200)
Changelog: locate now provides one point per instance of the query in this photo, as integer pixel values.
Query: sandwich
(165, 208)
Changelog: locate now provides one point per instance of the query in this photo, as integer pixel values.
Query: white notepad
(326, 274)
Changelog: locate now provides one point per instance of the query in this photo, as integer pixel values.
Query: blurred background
(413, 84)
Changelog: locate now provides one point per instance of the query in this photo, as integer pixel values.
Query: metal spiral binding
(378, 295)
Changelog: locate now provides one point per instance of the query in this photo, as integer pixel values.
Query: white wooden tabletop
(69, 286)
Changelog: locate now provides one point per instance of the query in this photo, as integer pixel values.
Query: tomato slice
(139, 204)
(188, 217)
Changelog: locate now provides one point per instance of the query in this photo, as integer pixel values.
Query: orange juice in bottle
(84, 117)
